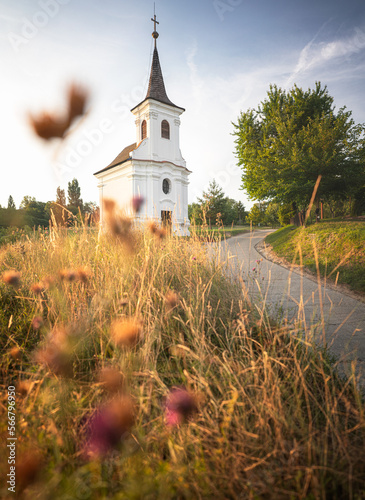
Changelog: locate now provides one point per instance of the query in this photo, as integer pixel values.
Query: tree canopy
(293, 137)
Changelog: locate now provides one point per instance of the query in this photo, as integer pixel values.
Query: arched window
(165, 129)
(144, 129)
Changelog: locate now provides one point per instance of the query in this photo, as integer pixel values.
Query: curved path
(329, 315)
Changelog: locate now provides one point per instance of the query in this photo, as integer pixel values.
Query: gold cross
(154, 21)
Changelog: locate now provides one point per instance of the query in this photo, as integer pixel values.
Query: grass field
(335, 248)
(142, 372)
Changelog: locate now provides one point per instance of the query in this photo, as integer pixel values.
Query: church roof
(156, 87)
(121, 158)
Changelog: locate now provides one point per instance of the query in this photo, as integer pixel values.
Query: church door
(166, 219)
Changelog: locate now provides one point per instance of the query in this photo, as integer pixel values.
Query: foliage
(35, 213)
(293, 137)
(214, 206)
(285, 213)
(336, 242)
(274, 419)
(11, 204)
(74, 196)
(256, 215)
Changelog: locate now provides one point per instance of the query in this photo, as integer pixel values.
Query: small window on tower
(166, 186)
(165, 129)
(144, 129)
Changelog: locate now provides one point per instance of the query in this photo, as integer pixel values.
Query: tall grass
(273, 419)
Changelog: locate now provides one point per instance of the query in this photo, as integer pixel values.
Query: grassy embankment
(97, 332)
(220, 232)
(335, 248)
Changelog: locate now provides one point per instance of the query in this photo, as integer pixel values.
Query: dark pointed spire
(156, 87)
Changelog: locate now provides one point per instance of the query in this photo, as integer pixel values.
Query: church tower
(153, 166)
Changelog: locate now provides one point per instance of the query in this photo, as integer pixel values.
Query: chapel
(151, 168)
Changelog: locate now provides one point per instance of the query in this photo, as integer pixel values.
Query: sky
(218, 58)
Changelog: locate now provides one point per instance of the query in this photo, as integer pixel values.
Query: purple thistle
(137, 202)
(180, 406)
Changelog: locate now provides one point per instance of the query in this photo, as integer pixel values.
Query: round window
(166, 186)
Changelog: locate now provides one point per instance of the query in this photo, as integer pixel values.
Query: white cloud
(321, 53)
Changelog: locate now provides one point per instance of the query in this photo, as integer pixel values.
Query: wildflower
(48, 126)
(56, 354)
(152, 227)
(11, 278)
(171, 300)
(111, 379)
(109, 206)
(83, 274)
(15, 352)
(23, 387)
(77, 97)
(137, 202)
(126, 332)
(28, 466)
(38, 288)
(37, 322)
(254, 269)
(107, 426)
(180, 406)
(67, 275)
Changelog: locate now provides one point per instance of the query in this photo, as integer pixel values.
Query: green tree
(26, 201)
(212, 202)
(271, 217)
(240, 212)
(74, 196)
(59, 207)
(11, 203)
(291, 139)
(256, 215)
(35, 214)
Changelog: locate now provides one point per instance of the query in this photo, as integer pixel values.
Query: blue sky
(218, 58)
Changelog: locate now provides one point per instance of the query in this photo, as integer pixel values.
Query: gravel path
(331, 314)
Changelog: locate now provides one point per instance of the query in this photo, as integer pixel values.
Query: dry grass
(198, 397)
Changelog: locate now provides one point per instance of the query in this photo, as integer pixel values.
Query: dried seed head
(77, 98)
(126, 332)
(111, 379)
(37, 288)
(55, 359)
(15, 353)
(23, 387)
(67, 275)
(48, 126)
(171, 300)
(28, 467)
(83, 274)
(11, 278)
(152, 227)
(109, 206)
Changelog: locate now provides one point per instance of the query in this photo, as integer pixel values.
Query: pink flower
(137, 202)
(180, 406)
(106, 427)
